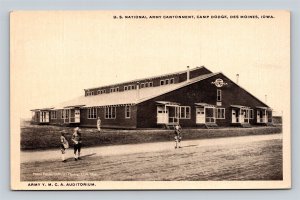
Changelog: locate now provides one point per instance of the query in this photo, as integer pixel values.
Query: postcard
(150, 100)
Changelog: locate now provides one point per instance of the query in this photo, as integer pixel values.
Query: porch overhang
(264, 108)
(42, 109)
(239, 106)
(73, 107)
(167, 103)
(204, 105)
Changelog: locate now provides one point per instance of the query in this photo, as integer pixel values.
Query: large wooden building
(193, 97)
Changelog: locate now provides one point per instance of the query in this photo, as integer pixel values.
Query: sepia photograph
(138, 100)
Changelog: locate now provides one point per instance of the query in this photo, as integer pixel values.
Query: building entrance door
(47, 117)
(162, 115)
(200, 115)
(242, 116)
(77, 116)
(234, 116)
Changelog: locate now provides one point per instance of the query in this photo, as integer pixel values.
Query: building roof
(127, 97)
(144, 79)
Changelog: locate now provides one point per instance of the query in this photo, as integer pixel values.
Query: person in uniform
(64, 144)
(76, 138)
(178, 136)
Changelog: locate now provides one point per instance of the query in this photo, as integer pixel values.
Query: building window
(220, 113)
(132, 87)
(127, 111)
(110, 113)
(53, 115)
(125, 88)
(101, 91)
(92, 113)
(219, 95)
(171, 80)
(37, 116)
(142, 85)
(167, 81)
(88, 93)
(65, 114)
(117, 89)
(150, 84)
(185, 112)
(162, 82)
(147, 84)
(92, 93)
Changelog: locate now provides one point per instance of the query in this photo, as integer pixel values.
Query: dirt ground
(252, 159)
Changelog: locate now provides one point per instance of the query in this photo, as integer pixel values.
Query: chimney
(188, 73)
(237, 78)
(137, 90)
(266, 98)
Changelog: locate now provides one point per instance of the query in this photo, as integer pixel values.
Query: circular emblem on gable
(219, 82)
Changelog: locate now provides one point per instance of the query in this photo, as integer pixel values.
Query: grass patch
(34, 137)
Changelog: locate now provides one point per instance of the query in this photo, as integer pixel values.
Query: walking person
(64, 144)
(99, 124)
(178, 136)
(76, 138)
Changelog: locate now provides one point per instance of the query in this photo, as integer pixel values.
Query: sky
(56, 54)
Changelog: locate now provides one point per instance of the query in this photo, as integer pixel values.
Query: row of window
(89, 93)
(109, 112)
(167, 81)
(184, 113)
(129, 87)
(248, 114)
(101, 91)
(115, 89)
(132, 87)
(146, 84)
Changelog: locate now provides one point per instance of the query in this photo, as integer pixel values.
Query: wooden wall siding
(201, 92)
(35, 118)
(58, 120)
(119, 122)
